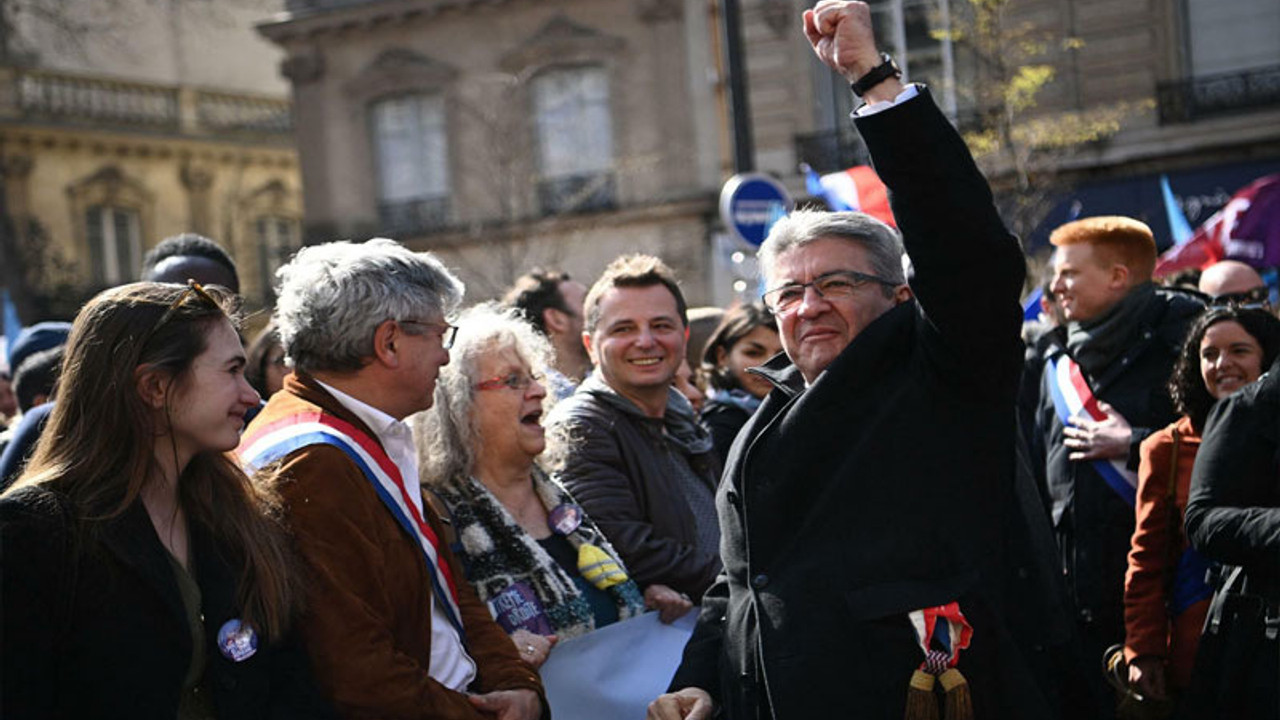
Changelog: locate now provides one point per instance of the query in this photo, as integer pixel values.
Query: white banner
(615, 672)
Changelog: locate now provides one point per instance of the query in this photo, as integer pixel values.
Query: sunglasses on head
(1257, 297)
(194, 289)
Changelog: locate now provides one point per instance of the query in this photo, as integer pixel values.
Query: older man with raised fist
(872, 524)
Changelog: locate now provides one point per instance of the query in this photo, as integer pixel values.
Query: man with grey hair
(868, 509)
(393, 628)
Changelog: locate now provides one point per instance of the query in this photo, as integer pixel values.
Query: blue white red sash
(1073, 398)
(277, 439)
(942, 633)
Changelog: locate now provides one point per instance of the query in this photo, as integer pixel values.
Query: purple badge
(565, 519)
(517, 608)
(237, 641)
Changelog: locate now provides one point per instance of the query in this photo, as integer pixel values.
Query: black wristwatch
(876, 75)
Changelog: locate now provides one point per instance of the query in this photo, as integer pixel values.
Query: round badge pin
(237, 640)
(565, 519)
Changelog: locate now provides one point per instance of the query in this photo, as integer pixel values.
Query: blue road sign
(751, 203)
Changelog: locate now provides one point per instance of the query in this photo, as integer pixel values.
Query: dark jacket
(1233, 517)
(888, 485)
(615, 463)
(15, 455)
(1093, 524)
(94, 625)
(723, 420)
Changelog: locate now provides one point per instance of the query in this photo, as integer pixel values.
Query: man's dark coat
(888, 485)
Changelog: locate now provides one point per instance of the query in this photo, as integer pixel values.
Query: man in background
(552, 302)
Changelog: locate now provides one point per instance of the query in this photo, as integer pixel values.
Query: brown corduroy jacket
(367, 625)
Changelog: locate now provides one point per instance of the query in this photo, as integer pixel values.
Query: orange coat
(368, 621)
(1148, 627)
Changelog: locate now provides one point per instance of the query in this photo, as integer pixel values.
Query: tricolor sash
(1072, 397)
(277, 439)
(942, 633)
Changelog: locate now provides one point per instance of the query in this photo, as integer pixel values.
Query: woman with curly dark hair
(1165, 595)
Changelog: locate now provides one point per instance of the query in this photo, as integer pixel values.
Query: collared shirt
(451, 666)
(909, 91)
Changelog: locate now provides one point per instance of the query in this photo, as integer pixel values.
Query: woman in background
(1165, 596)
(745, 338)
(266, 368)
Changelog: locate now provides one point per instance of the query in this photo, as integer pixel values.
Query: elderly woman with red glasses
(530, 551)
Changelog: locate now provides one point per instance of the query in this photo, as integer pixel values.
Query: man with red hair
(1103, 392)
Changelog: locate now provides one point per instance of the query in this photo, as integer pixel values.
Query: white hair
(446, 435)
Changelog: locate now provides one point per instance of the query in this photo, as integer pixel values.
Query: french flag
(858, 188)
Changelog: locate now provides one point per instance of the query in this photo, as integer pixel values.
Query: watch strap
(876, 75)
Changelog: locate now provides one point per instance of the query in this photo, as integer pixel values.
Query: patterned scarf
(498, 553)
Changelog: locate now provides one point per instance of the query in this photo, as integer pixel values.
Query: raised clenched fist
(842, 36)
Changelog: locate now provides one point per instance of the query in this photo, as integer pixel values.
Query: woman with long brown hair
(143, 574)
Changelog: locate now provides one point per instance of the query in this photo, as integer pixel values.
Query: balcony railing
(832, 150)
(98, 100)
(1214, 95)
(413, 217)
(109, 103)
(228, 112)
(576, 193)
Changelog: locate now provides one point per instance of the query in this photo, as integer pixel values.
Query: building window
(1233, 36)
(413, 164)
(278, 240)
(918, 35)
(575, 140)
(114, 243)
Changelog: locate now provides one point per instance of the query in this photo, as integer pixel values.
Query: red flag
(858, 188)
(1247, 228)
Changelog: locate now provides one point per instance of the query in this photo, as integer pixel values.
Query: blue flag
(12, 325)
(1179, 228)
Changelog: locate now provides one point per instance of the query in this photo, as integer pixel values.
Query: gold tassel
(921, 702)
(957, 698)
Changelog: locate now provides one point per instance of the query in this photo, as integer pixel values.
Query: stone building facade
(564, 132)
(170, 119)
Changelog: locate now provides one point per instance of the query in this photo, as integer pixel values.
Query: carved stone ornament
(653, 11)
(561, 39)
(398, 70)
(196, 178)
(303, 68)
(17, 167)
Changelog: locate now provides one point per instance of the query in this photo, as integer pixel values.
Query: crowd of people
(882, 492)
